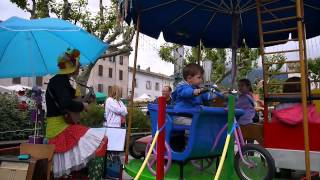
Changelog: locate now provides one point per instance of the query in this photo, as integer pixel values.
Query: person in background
(245, 102)
(290, 88)
(74, 144)
(115, 110)
(166, 92)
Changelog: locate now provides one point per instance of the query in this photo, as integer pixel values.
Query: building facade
(108, 72)
(26, 81)
(148, 82)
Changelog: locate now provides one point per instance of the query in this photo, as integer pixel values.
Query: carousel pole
(161, 138)
(302, 47)
(229, 168)
(132, 90)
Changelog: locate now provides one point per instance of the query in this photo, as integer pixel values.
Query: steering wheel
(213, 89)
(153, 158)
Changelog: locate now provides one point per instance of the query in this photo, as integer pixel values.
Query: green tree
(13, 119)
(273, 65)
(140, 121)
(105, 25)
(314, 68)
(246, 59)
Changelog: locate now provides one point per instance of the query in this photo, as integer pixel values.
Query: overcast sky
(148, 47)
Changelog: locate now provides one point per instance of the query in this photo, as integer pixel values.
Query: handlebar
(215, 89)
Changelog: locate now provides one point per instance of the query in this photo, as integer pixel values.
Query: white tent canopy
(18, 87)
(3, 89)
(143, 98)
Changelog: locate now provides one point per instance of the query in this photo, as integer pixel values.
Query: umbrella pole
(234, 46)
(199, 53)
(132, 90)
(233, 67)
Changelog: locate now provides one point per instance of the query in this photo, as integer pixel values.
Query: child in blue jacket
(188, 93)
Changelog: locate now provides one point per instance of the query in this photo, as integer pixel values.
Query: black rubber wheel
(133, 151)
(262, 163)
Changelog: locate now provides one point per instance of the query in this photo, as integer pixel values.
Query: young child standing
(245, 102)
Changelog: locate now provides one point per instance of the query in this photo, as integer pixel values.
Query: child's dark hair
(292, 88)
(192, 69)
(246, 82)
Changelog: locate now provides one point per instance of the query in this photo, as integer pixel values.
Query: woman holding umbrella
(74, 143)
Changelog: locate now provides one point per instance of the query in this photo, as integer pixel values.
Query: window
(157, 86)
(100, 70)
(16, 80)
(121, 60)
(112, 59)
(100, 87)
(39, 81)
(120, 75)
(110, 72)
(148, 85)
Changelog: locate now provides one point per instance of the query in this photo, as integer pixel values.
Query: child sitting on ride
(188, 93)
(292, 112)
(245, 102)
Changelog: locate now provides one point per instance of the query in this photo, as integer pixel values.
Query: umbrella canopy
(31, 47)
(100, 97)
(212, 21)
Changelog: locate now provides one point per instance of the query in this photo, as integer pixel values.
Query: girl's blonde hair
(115, 92)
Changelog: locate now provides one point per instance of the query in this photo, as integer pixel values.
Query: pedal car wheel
(153, 158)
(202, 164)
(258, 163)
(133, 150)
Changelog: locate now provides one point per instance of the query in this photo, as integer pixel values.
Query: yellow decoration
(316, 102)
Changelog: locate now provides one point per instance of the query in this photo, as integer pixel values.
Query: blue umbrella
(212, 21)
(31, 47)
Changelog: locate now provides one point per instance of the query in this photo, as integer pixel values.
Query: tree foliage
(246, 59)
(13, 119)
(94, 117)
(139, 120)
(166, 52)
(314, 68)
(274, 64)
